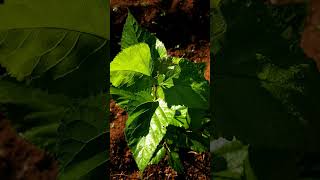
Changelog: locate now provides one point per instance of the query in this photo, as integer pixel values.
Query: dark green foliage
(265, 91)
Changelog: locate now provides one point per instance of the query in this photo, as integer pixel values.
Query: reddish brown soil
(310, 41)
(20, 160)
(183, 26)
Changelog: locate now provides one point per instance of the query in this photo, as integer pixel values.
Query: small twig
(166, 145)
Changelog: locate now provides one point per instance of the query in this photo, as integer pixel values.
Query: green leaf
(236, 156)
(264, 91)
(185, 95)
(218, 28)
(87, 160)
(159, 155)
(56, 53)
(14, 93)
(61, 55)
(141, 136)
(83, 138)
(133, 34)
(214, 3)
(43, 136)
(177, 137)
(132, 62)
(83, 16)
(188, 86)
(122, 97)
(29, 53)
(39, 112)
(146, 127)
(199, 118)
(129, 100)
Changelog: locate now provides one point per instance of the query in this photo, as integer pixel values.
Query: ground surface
(20, 160)
(310, 41)
(183, 26)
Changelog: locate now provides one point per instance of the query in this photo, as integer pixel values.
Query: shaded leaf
(185, 85)
(79, 152)
(236, 158)
(263, 85)
(28, 53)
(37, 13)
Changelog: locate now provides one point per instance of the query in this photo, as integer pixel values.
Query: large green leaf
(37, 44)
(132, 62)
(138, 128)
(51, 48)
(264, 92)
(84, 16)
(28, 53)
(86, 79)
(133, 34)
(146, 128)
(188, 86)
